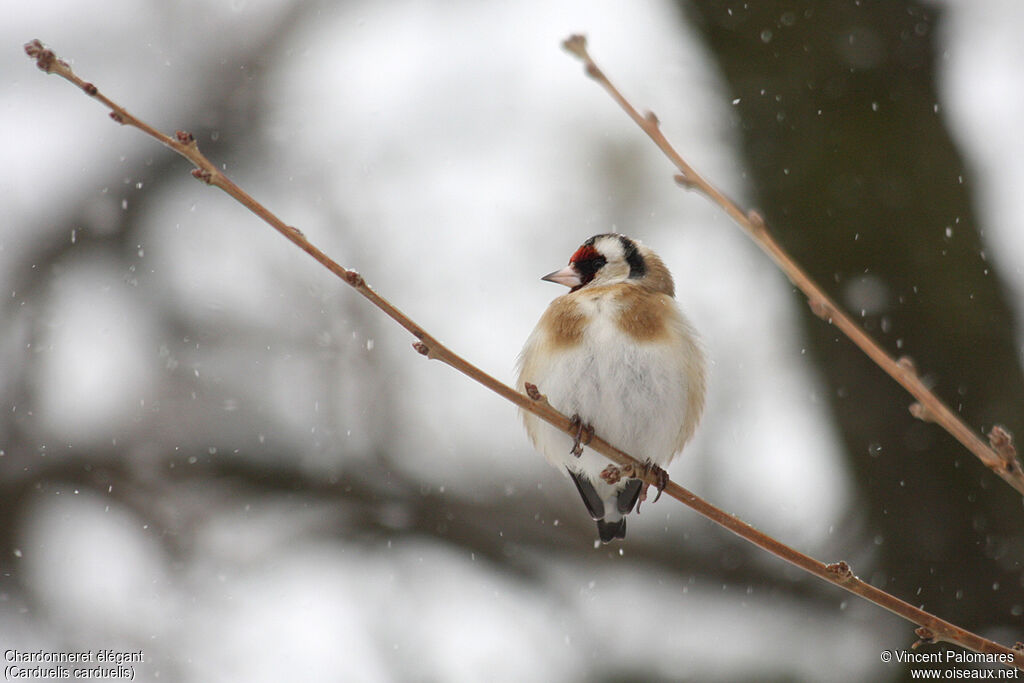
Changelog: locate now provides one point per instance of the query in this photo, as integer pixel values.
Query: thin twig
(928, 406)
(932, 629)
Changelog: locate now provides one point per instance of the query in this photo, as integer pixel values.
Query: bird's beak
(566, 276)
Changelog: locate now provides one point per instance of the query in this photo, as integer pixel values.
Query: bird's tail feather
(609, 531)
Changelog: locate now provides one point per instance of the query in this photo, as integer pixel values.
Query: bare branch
(534, 401)
(931, 406)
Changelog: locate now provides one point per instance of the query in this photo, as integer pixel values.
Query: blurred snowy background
(213, 451)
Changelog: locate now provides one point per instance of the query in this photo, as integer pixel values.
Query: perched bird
(618, 354)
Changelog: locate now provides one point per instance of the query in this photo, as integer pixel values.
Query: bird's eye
(587, 268)
(587, 261)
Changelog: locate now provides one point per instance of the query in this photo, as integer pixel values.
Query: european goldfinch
(617, 354)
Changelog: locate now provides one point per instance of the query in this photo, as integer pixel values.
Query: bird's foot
(534, 393)
(660, 477)
(584, 433)
(613, 474)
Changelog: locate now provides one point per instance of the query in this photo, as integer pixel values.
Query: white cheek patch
(611, 249)
(615, 269)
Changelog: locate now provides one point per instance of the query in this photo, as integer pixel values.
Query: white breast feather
(635, 395)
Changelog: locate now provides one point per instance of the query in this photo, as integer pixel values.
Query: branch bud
(926, 637)
(918, 410)
(683, 181)
(756, 221)
(577, 44)
(1001, 441)
(203, 175)
(611, 474)
(820, 308)
(906, 364)
(841, 570)
(46, 60)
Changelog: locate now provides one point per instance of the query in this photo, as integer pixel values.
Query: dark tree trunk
(851, 162)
